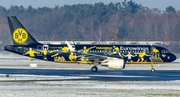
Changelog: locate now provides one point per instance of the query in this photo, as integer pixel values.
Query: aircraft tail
(20, 35)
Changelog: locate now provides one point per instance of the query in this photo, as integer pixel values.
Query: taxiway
(101, 75)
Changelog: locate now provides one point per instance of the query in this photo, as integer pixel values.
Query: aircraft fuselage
(60, 53)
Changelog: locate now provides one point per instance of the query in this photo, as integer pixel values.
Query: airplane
(110, 55)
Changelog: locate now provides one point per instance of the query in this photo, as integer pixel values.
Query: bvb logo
(20, 35)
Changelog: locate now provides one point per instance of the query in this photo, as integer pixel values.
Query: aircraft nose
(173, 57)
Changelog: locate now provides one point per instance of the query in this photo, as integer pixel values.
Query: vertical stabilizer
(20, 35)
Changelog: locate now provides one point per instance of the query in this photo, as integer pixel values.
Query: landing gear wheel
(94, 69)
(152, 70)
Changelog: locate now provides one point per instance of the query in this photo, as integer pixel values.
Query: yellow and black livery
(112, 56)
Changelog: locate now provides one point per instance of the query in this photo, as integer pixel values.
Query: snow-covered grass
(90, 88)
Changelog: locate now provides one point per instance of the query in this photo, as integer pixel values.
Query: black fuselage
(130, 53)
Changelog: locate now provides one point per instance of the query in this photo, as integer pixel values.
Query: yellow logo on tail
(20, 35)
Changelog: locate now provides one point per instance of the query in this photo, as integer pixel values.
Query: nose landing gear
(152, 69)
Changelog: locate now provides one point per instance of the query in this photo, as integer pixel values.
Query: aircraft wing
(94, 57)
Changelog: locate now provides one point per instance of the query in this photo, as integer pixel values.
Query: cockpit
(164, 51)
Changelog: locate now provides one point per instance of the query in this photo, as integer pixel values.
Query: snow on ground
(90, 89)
(177, 60)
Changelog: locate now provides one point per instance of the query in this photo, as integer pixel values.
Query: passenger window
(147, 51)
(125, 52)
(164, 51)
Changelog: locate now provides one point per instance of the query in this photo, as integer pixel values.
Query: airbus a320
(112, 56)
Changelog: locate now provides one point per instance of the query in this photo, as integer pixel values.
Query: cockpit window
(164, 51)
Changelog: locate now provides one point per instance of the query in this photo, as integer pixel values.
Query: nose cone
(173, 57)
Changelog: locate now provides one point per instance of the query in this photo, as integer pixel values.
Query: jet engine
(114, 64)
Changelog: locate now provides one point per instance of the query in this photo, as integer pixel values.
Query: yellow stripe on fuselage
(84, 62)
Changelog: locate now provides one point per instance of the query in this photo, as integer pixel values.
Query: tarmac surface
(100, 75)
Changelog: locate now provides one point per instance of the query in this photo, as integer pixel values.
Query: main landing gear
(94, 69)
(152, 69)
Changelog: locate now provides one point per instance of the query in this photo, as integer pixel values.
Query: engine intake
(115, 64)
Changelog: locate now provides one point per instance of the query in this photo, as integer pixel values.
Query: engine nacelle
(115, 64)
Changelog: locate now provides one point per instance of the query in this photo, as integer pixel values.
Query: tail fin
(20, 35)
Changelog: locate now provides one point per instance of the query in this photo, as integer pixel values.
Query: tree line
(120, 21)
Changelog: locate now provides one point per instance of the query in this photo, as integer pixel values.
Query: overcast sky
(160, 4)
